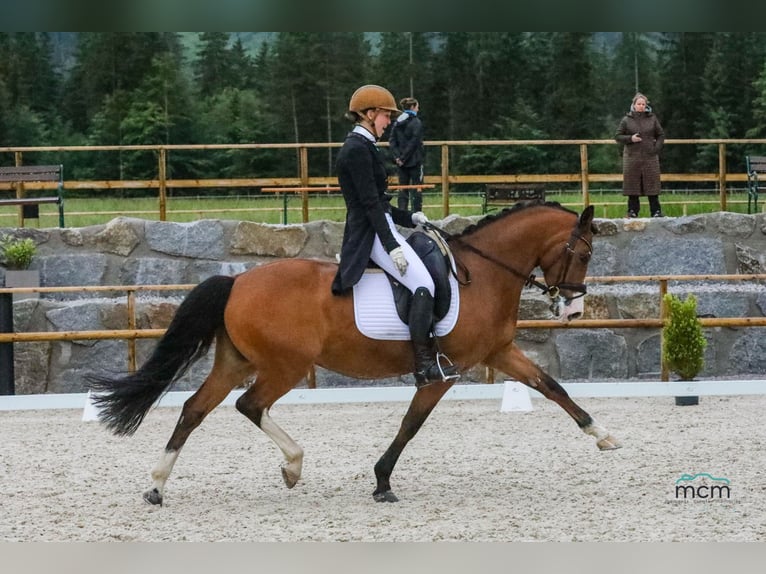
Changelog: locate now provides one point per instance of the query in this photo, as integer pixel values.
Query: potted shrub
(684, 344)
(16, 256)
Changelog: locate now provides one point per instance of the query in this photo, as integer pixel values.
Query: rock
(119, 237)
(202, 239)
(265, 239)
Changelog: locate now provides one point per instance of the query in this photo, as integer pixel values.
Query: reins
(529, 280)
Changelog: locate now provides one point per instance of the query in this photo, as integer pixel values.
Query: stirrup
(447, 373)
(451, 373)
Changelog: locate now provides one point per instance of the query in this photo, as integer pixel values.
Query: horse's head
(538, 234)
(565, 265)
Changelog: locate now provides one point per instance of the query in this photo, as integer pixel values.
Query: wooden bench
(30, 206)
(755, 165)
(506, 194)
(327, 189)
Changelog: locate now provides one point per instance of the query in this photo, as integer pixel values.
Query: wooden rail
(132, 333)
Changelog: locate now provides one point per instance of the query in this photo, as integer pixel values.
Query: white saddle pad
(375, 310)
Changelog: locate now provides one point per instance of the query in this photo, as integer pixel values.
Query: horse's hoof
(153, 496)
(608, 443)
(386, 496)
(290, 478)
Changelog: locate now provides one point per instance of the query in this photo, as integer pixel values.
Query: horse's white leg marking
(291, 470)
(604, 440)
(162, 470)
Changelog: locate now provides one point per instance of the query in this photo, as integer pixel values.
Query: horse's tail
(124, 401)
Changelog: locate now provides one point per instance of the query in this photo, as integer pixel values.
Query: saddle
(433, 252)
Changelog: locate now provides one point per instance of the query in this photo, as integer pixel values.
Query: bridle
(569, 253)
(553, 291)
(558, 302)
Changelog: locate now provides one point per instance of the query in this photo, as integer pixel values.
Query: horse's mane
(508, 211)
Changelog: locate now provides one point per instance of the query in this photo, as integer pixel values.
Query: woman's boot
(430, 365)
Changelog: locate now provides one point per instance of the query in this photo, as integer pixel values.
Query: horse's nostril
(574, 316)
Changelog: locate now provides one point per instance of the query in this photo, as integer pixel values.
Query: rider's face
(381, 121)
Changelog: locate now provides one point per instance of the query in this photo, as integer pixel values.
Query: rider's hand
(397, 256)
(419, 218)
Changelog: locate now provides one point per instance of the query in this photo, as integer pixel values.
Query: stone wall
(134, 252)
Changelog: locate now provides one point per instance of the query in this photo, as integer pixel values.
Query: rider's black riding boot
(428, 367)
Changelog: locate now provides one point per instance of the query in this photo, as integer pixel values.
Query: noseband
(553, 291)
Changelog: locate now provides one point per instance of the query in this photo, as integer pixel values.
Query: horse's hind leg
(518, 366)
(273, 382)
(229, 370)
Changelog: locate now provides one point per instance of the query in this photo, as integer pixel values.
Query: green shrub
(684, 343)
(17, 253)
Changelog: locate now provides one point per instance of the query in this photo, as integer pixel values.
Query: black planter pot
(687, 401)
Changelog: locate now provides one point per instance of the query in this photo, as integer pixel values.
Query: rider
(370, 233)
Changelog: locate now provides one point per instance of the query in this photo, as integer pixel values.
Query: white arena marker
(90, 412)
(515, 397)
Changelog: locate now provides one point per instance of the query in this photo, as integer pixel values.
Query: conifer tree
(213, 68)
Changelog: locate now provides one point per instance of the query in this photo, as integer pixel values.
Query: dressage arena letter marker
(90, 412)
(515, 397)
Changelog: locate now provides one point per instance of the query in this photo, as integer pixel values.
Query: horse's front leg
(516, 364)
(422, 404)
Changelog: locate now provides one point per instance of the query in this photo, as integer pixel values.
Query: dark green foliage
(122, 88)
(569, 112)
(684, 343)
(213, 67)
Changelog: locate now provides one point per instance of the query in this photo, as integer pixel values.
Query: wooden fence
(721, 178)
(131, 333)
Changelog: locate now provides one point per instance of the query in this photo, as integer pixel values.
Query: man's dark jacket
(363, 181)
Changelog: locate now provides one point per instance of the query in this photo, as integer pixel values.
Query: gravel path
(471, 474)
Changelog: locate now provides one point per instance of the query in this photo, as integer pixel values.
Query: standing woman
(406, 144)
(642, 137)
(370, 233)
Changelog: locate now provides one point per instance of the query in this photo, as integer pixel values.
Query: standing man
(407, 149)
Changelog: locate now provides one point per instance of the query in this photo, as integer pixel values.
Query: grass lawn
(270, 209)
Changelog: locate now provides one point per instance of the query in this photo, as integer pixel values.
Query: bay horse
(276, 321)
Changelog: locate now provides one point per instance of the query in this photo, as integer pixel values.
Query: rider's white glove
(397, 256)
(419, 218)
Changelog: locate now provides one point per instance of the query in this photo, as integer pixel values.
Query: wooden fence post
(163, 190)
(584, 175)
(304, 154)
(664, 373)
(131, 325)
(722, 174)
(20, 192)
(445, 180)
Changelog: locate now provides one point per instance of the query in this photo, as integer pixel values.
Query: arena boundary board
(476, 391)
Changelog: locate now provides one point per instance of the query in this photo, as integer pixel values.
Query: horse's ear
(586, 219)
